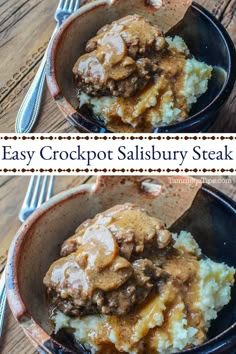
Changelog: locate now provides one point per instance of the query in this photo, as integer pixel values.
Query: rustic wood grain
(21, 29)
(12, 191)
(25, 28)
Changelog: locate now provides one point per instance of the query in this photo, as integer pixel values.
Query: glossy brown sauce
(171, 80)
(95, 265)
(130, 62)
(115, 53)
(173, 295)
(124, 245)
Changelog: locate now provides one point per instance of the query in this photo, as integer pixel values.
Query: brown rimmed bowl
(188, 205)
(205, 36)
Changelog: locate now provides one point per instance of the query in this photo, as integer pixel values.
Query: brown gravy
(123, 264)
(129, 61)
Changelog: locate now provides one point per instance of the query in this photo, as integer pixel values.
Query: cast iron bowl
(200, 209)
(205, 36)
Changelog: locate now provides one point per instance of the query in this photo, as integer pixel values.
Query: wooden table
(12, 191)
(25, 28)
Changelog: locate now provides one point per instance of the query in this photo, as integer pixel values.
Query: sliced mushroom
(100, 246)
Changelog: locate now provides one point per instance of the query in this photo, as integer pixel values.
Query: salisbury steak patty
(134, 230)
(121, 59)
(104, 269)
(71, 299)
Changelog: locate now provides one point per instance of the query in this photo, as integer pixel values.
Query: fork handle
(29, 110)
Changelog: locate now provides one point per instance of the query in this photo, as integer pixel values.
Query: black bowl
(209, 42)
(212, 221)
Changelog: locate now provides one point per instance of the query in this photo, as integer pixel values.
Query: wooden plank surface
(12, 191)
(21, 29)
(25, 28)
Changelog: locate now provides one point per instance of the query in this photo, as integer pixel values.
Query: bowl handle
(167, 12)
(171, 196)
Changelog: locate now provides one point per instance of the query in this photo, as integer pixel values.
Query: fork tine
(77, 5)
(3, 300)
(42, 196)
(34, 200)
(66, 5)
(3, 294)
(2, 282)
(61, 4)
(71, 7)
(29, 192)
(50, 187)
(2, 310)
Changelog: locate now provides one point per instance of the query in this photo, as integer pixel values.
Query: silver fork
(39, 191)
(29, 110)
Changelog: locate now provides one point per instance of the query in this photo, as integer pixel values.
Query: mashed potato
(160, 104)
(163, 319)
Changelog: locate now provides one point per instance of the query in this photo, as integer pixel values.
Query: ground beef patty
(146, 278)
(104, 268)
(122, 58)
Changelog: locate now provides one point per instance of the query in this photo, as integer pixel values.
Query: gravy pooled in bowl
(134, 78)
(125, 284)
